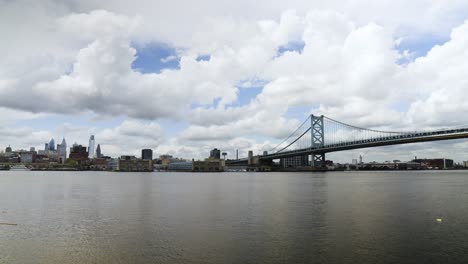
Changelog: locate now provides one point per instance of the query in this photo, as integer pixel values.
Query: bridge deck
(395, 140)
(392, 138)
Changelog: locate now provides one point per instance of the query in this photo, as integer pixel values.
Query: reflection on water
(361, 217)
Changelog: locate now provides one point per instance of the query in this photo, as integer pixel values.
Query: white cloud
(168, 59)
(130, 137)
(77, 58)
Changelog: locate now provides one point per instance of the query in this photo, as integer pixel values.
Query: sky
(183, 77)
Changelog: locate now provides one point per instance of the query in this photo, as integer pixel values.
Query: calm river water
(355, 217)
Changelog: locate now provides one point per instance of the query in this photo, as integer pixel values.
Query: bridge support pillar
(318, 140)
(318, 160)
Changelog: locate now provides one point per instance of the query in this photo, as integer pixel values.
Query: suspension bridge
(319, 135)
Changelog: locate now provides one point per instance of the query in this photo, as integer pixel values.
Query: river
(162, 217)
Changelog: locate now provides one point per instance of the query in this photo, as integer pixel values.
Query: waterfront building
(112, 164)
(295, 162)
(134, 165)
(215, 154)
(78, 153)
(9, 157)
(180, 166)
(27, 157)
(147, 154)
(165, 160)
(53, 156)
(98, 164)
(212, 164)
(42, 159)
(208, 165)
(440, 163)
(128, 157)
(388, 165)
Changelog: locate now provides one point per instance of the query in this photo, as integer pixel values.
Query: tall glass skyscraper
(91, 150)
(52, 144)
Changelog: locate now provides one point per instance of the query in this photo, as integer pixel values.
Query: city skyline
(426, 150)
(207, 80)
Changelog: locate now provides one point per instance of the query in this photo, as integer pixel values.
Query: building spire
(98, 151)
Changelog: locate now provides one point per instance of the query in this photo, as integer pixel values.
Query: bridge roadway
(367, 143)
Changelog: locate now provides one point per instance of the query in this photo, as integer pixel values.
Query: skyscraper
(91, 151)
(215, 154)
(98, 151)
(62, 150)
(147, 154)
(52, 144)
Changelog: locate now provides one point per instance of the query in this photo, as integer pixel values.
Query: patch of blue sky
(203, 58)
(248, 90)
(216, 102)
(172, 128)
(213, 104)
(418, 46)
(155, 57)
(293, 46)
(246, 95)
(401, 107)
(298, 112)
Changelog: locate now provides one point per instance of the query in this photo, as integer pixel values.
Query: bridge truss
(318, 135)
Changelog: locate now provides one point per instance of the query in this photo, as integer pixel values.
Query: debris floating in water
(12, 224)
(439, 220)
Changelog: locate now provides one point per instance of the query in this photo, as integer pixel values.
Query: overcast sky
(182, 77)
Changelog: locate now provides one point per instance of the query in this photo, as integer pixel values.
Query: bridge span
(319, 135)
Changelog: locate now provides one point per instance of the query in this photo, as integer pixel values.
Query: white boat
(19, 168)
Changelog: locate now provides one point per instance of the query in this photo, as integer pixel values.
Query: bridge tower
(318, 140)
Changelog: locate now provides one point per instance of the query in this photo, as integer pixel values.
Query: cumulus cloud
(130, 137)
(80, 60)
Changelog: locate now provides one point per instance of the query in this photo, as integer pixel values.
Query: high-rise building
(78, 152)
(52, 144)
(98, 151)
(8, 149)
(91, 151)
(62, 150)
(46, 147)
(147, 154)
(215, 154)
